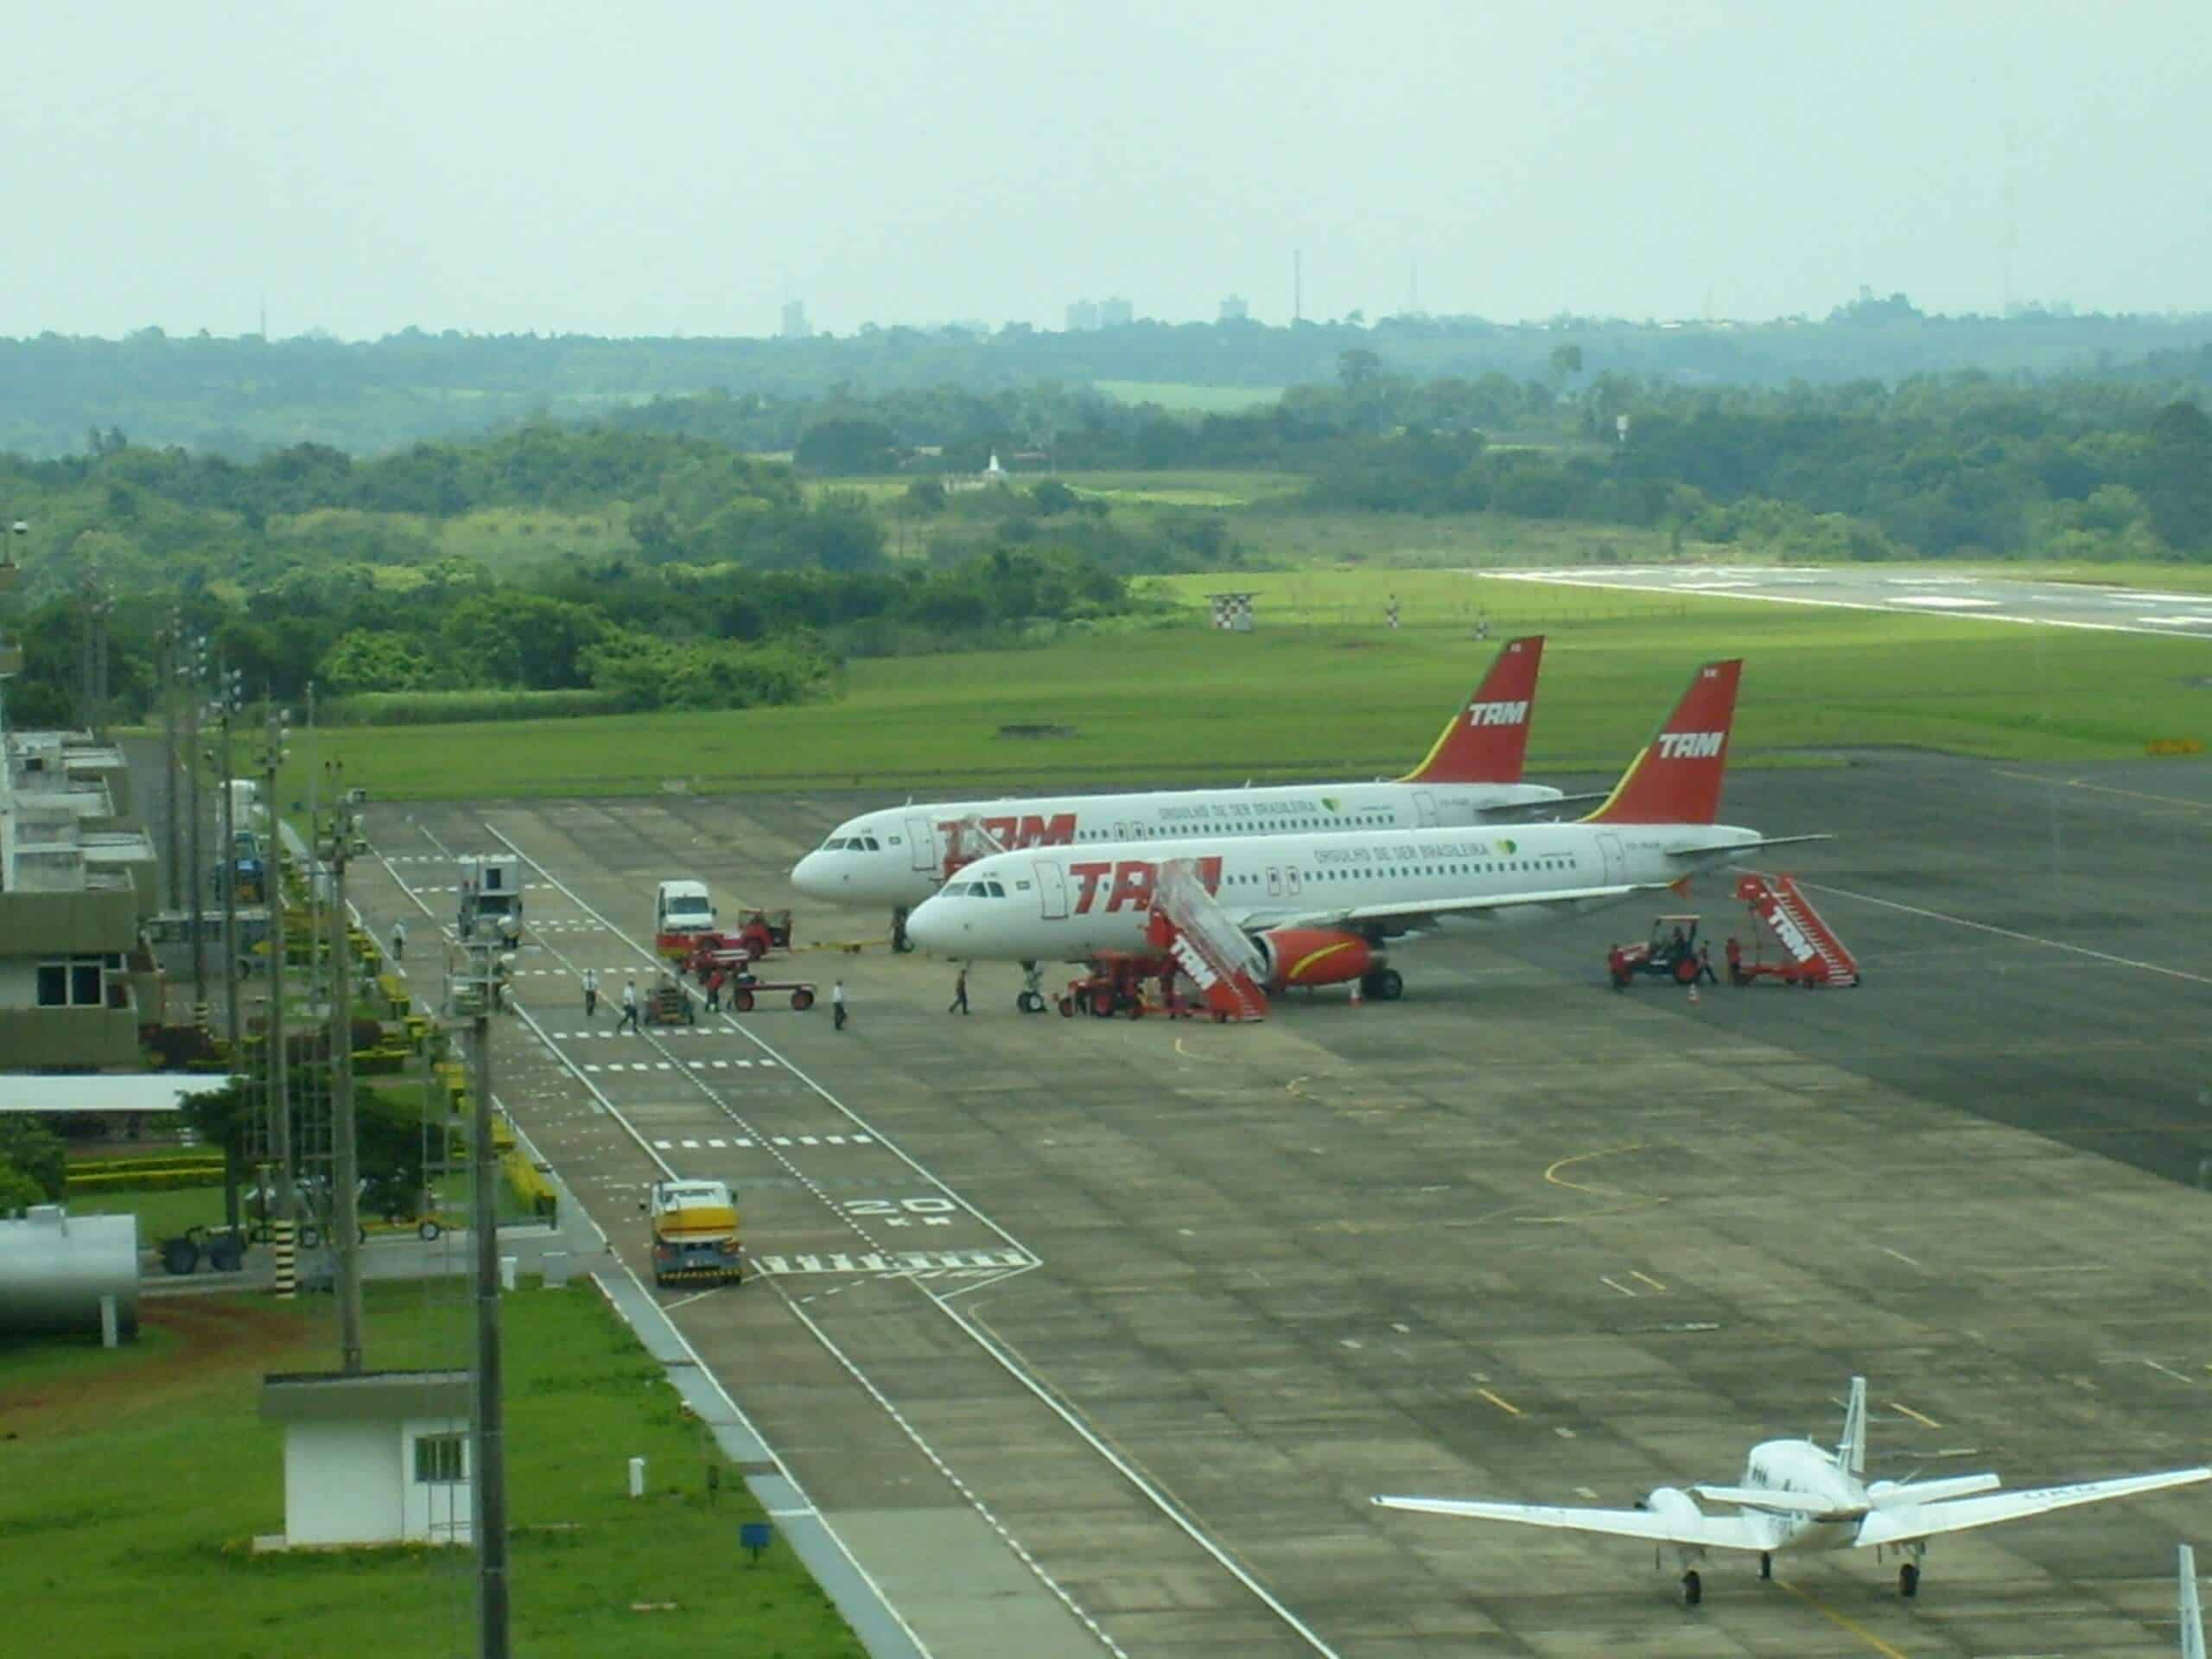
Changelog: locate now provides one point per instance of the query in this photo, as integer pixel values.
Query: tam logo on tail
(1489, 745)
(1677, 778)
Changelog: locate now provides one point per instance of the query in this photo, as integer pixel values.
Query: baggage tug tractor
(694, 1233)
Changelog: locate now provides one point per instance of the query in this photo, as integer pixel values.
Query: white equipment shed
(381, 1458)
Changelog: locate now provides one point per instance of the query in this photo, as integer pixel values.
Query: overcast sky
(629, 167)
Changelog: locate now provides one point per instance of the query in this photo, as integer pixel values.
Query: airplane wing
(1414, 912)
(1756, 1498)
(1556, 804)
(1743, 846)
(1714, 1531)
(1902, 1525)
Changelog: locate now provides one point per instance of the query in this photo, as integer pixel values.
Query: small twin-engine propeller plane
(899, 856)
(1317, 909)
(1798, 1495)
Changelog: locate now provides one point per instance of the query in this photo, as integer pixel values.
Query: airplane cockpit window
(998, 891)
(834, 844)
(871, 845)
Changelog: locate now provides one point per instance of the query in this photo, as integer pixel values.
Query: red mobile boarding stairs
(1189, 927)
(1812, 955)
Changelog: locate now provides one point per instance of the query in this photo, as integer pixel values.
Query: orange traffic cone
(1693, 997)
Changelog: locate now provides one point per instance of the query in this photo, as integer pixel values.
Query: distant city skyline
(656, 168)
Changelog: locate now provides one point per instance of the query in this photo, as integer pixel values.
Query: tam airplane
(1798, 1495)
(898, 856)
(1316, 909)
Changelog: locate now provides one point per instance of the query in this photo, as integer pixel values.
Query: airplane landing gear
(1909, 1580)
(1383, 984)
(1693, 1588)
(1031, 998)
(900, 942)
(1766, 1564)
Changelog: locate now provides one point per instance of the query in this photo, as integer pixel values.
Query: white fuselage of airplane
(898, 856)
(1070, 903)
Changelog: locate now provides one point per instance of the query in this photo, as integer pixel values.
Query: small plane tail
(1486, 740)
(2192, 1615)
(1851, 1450)
(1676, 777)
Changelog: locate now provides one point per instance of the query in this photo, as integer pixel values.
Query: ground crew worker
(629, 1009)
(838, 1005)
(959, 1004)
(591, 992)
(715, 991)
(1705, 964)
(398, 940)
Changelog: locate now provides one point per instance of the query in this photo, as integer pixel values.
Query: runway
(2114, 607)
(1097, 1337)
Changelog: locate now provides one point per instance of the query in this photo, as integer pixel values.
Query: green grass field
(131, 1483)
(1322, 689)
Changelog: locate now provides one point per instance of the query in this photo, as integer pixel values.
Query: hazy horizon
(655, 170)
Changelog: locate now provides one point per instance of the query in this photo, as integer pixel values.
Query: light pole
(194, 649)
(344, 1172)
(280, 1103)
(227, 686)
(488, 1490)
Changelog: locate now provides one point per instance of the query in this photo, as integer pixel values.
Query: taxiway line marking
(2170, 1371)
(1841, 1621)
(1615, 1284)
(1506, 1405)
(1927, 1422)
(2107, 789)
(1552, 1171)
(1902, 1256)
(1647, 1278)
(2008, 933)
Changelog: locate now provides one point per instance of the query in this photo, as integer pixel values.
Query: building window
(439, 1459)
(75, 984)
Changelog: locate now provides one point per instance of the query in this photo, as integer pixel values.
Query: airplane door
(922, 840)
(1616, 860)
(1051, 890)
(1275, 880)
(1291, 880)
(1425, 808)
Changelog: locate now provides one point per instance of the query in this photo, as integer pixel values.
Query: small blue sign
(755, 1535)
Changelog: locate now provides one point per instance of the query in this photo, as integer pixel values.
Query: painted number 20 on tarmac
(901, 1212)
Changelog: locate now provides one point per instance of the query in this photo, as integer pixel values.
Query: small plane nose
(932, 926)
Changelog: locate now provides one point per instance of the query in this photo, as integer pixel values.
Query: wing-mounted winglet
(1676, 777)
(1851, 1450)
(1486, 740)
(965, 842)
(1189, 924)
(2192, 1615)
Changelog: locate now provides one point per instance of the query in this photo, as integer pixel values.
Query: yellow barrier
(2173, 746)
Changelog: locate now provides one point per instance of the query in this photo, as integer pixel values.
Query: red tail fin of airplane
(1677, 778)
(1485, 741)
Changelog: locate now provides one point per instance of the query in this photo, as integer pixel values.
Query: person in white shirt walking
(591, 993)
(629, 1021)
(837, 1006)
(398, 940)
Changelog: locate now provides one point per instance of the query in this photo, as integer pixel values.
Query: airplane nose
(810, 875)
(931, 926)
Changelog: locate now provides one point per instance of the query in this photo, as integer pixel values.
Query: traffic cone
(1693, 997)
(1355, 994)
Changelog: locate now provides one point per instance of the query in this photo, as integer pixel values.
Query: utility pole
(488, 1490)
(169, 753)
(345, 1171)
(280, 1102)
(226, 682)
(193, 648)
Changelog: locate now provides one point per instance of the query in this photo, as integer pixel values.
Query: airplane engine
(1673, 1502)
(1313, 956)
